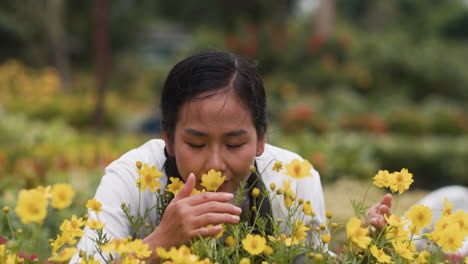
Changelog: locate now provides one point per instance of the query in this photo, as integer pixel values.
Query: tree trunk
(54, 24)
(102, 53)
(325, 19)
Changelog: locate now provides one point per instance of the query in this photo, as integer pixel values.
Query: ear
(167, 140)
(261, 144)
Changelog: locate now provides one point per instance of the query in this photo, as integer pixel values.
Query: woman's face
(215, 131)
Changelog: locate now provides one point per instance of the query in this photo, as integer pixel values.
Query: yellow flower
(298, 169)
(58, 243)
(380, 255)
(267, 251)
(278, 166)
(400, 181)
(405, 249)
(195, 191)
(254, 244)
(148, 179)
(420, 216)
(94, 205)
(382, 179)
(451, 238)
(396, 227)
(163, 253)
(140, 249)
(62, 195)
(307, 208)
(212, 180)
(356, 233)
(44, 190)
(90, 260)
(326, 238)
(31, 206)
(175, 186)
(95, 224)
(72, 227)
(130, 259)
(299, 231)
(422, 257)
(230, 241)
(447, 207)
(289, 194)
(183, 255)
(119, 246)
(65, 255)
(244, 261)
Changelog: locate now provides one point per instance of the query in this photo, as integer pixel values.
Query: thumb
(187, 189)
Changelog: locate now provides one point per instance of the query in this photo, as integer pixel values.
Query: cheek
(187, 162)
(240, 165)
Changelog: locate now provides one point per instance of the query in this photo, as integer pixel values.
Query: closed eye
(234, 146)
(196, 146)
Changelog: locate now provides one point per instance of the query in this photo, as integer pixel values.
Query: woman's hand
(186, 217)
(377, 212)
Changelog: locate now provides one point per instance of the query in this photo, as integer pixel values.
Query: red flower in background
(316, 42)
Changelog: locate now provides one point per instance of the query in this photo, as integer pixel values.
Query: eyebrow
(203, 134)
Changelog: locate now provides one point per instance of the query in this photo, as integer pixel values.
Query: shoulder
(278, 154)
(123, 171)
(152, 153)
(272, 154)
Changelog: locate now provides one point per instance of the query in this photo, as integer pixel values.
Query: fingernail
(235, 218)
(228, 195)
(238, 210)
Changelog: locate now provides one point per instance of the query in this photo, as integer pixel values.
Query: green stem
(35, 234)
(10, 226)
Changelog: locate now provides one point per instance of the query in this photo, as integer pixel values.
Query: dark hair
(211, 71)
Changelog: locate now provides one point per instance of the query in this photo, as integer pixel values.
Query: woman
(213, 108)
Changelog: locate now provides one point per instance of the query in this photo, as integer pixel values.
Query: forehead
(220, 109)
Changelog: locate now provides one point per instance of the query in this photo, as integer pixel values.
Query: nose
(216, 160)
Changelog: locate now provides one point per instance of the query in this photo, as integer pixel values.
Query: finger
(187, 189)
(215, 219)
(205, 197)
(216, 207)
(384, 210)
(378, 224)
(206, 231)
(387, 200)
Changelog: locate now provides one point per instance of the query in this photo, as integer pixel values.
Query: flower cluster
(296, 236)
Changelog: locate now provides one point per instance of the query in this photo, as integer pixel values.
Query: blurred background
(354, 86)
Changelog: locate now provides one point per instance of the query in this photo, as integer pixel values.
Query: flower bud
(230, 241)
(139, 164)
(6, 209)
(329, 214)
(252, 169)
(318, 257)
(255, 192)
(272, 186)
